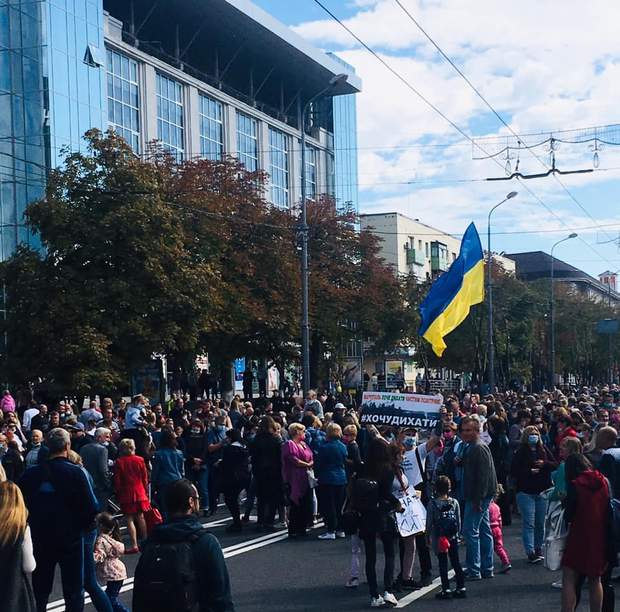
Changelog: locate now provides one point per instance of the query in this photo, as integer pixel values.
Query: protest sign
(413, 519)
(401, 409)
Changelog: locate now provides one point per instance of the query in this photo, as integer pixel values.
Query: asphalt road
(270, 572)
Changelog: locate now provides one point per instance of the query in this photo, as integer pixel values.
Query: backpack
(448, 522)
(166, 577)
(364, 495)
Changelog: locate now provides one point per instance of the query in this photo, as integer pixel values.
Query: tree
(116, 281)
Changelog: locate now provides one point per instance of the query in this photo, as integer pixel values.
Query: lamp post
(490, 345)
(305, 320)
(552, 334)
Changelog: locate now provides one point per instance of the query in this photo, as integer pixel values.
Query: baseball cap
(339, 406)
(76, 427)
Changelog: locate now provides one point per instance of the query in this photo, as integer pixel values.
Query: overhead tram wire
(489, 105)
(446, 118)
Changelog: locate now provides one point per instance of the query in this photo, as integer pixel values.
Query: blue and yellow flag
(453, 294)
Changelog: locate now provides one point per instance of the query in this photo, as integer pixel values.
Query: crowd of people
(70, 476)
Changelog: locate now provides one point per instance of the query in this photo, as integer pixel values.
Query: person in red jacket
(587, 550)
(131, 486)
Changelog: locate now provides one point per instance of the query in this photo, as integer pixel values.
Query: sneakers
(377, 602)
(444, 595)
(534, 558)
(389, 599)
(460, 593)
(505, 568)
(473, 577)
(328, 535)
(352, 583)
(341, 534)
(409, 585)
(425, 580)
(557, 584)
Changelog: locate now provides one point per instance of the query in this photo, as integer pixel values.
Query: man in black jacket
(479, 487)
(210, 584)
(61, 506)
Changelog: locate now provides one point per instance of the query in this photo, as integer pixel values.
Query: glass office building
(171, 72)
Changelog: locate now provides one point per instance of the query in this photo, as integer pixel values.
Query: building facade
(411, 247)
(208, 79)
(535, 265)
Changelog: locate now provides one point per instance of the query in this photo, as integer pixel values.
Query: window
(426, 249)
(170, 130)
(211, 128)
(278, 159)
(311, 176)
(123, 98)
(247, 141)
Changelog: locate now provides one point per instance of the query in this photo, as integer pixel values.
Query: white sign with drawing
(413, 519)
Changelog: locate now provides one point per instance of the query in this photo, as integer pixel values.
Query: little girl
(111, 571)
(495, 518)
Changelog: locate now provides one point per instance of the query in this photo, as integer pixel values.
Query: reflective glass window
(123, 97)
(170, 130)
(279, 167)
(247, 141)
(211, 128)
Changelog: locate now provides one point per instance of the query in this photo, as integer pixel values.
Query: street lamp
(334, 82)
(552, 364)
(490, 345)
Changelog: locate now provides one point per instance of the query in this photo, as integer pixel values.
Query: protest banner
(401, 409)
(413, 519)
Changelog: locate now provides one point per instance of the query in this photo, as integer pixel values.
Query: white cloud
(541, 65)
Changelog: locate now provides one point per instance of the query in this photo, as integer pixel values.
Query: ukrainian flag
(453, 294)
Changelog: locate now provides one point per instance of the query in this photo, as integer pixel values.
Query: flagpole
(490, 343)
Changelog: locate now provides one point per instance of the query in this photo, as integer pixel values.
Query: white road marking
(229, 551)
(407, 599)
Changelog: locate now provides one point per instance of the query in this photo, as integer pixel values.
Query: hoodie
(213, 580)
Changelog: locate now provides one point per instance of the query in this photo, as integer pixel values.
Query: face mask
(580, 435)
(195, 430)
(410, 441)
(106, 444)
(532, 440)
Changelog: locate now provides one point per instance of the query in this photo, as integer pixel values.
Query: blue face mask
(532, 440)
(409, 441)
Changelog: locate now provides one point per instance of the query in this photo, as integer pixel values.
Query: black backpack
(364, 495)
(448, 522)
(166, 577)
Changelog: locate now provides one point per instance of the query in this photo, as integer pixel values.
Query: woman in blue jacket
(168, 466)
(330, 466)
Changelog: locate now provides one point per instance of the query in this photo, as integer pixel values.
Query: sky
(545, 71)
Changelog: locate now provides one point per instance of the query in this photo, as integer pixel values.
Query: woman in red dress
(131, 486)
(587, 546)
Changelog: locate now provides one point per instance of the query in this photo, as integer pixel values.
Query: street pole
(305, 276)
(552, 313)
(490, 344)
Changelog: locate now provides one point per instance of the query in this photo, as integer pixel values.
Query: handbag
(556, 534)
(152, 518)
(312, 479)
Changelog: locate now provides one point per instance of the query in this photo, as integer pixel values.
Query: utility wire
(443, 116)
(488, 104)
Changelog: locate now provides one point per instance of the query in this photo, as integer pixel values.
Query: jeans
(250, 498)
(478, 538)
(389, 545)
(331, 499)
(70, 556)
(112, 591)
(91, 586)
(201, 479)
(453, 554)
(532, 508)
(214, 486)
(300, 515)
(231, 498)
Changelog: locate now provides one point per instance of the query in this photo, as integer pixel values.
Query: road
(270, 572)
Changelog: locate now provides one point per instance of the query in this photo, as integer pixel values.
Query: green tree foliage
(116, 281)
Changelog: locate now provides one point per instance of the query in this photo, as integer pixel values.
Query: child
(495, 518)
(443, 525)
(111, 571)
